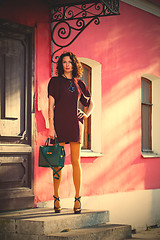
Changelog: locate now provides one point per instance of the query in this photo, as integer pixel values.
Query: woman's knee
(75, 153)
(75, 163)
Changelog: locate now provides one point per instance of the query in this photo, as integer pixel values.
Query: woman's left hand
(81, 114)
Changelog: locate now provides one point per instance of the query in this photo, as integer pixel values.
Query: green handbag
(52, 156)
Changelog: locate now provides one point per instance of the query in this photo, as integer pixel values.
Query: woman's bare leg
(75, 160)
(56, 183)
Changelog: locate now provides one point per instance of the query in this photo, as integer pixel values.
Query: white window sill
(150, 155)
(90, 153)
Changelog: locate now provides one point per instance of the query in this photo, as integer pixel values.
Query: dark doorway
(16, 80)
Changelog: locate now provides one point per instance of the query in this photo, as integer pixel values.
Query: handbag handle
(54, 171)
(56, 141)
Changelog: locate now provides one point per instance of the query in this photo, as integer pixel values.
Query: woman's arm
(51, 103)
(90, 109)
(88, 112)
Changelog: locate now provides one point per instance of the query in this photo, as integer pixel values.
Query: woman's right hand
(52, 133)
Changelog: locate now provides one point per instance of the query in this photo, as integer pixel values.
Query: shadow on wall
(40, 120)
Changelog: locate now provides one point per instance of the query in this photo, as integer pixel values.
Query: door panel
(12, 96)
(13, 171)
(16, 174)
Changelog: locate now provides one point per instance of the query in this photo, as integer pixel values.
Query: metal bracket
(68, 22)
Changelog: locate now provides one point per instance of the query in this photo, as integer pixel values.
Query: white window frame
(96, 142)
(155, 115)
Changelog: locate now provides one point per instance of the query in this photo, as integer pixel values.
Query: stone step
(150, 234)
(43, 221)
(44, 224)
(103, 232)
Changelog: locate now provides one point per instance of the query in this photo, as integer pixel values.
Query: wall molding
(145, 5)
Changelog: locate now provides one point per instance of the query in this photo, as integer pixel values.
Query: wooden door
(16, 161)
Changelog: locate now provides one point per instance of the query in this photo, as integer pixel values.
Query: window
(146, 114)
(151, 115)
(87, 122)
(92, 68)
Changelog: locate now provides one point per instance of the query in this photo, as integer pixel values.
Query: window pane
(146, 114)
(146, 98)
(146, 141)
(85, 76)
(87, 122)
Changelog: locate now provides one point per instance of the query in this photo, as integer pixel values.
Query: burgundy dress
(67, 125)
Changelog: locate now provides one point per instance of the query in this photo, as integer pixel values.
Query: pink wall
(127, 46)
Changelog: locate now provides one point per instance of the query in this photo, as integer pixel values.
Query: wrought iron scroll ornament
(68, 22)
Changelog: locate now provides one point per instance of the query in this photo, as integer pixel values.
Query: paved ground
(151, 234)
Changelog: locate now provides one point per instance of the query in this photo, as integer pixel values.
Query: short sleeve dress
(68, 126)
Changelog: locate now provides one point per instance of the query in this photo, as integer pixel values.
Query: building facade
(121, 162)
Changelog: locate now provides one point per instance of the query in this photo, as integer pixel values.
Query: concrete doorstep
(148, 234)
(101, 232)
(44, 224)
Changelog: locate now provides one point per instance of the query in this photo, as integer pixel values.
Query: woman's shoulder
(54, 79)
(53, 87)
(84, 89)
(81, 83)
(79, 80)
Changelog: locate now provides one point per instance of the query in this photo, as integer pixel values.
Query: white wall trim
(145, 5)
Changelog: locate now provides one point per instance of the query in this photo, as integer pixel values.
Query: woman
(66, 120)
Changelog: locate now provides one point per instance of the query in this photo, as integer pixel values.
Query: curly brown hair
(77, 66)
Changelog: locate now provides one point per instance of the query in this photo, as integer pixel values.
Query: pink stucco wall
(127, 46)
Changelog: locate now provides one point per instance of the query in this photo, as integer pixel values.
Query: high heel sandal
(77, 210)
(56, 209)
